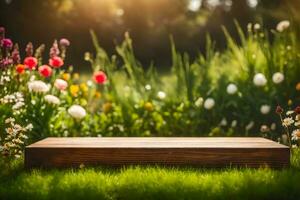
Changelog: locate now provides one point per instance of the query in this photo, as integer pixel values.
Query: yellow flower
(290, 102)
(107, 107)
(74, 89)
(298, 86)
(148, 106)
(75, 76)
(84, 87)
(97, 94)
(66, 76)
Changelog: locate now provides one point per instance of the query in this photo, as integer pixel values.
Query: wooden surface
(187, 151)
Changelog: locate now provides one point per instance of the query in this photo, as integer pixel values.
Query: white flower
(199, 102)
(287, 121)
(283, 25)
(9, 120)
(19, 95)
(209, 103)
(259, 80)
(29, 127)
(161, 95)
(18, 105)
(278, 77)
(38, 86)
(296, 134)
(256, 26)
(249, 126)
(231, 88)
(77, 112)
(233, 123)
(290, 112)
(52, 99)
(60, 84)
(265, 109)
(273, 126)
(264, 128)
(89, 83)
(223, 122)
(148, 87)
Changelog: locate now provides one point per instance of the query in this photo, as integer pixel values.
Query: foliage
(226, 93)
(233, 92)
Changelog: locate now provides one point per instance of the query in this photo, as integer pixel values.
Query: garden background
(149, 22)
(148, 68)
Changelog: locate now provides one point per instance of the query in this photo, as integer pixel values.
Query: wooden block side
(206, 157)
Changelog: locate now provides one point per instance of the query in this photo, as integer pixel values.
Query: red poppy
(45, 71)
(20, 68)
(30, 62)
(56, 62)
(100, 77)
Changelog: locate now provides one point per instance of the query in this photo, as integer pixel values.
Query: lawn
(151, 182)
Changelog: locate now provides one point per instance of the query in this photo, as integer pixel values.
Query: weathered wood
(180, 151)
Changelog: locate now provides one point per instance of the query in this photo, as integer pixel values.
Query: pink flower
(64, 42)
(6, 43)
(54, 51)
(45, 71)
(16, 54)
(56, 62)
(60, 84)
(100, 77)
(5, 62)
(30, 62)
(29, 49)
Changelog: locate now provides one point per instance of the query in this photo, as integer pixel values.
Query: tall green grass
(207, 76)
(151, 183)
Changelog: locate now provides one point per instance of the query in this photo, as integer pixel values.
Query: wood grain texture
(180, 151)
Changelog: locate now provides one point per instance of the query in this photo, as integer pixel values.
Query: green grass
(151, 183)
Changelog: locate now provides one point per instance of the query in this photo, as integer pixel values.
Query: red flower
(297, 110)
(45, 71)
(20, 68)
(56, 62)
(100, 77)
(30, 62)
(279, 110)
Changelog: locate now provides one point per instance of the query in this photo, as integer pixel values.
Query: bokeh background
(149, 22)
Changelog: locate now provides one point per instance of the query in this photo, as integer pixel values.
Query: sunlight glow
(194, 5)
(119, 12)
(213, 3)
(252, 3)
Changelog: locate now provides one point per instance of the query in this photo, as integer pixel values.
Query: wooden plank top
(157, 142)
